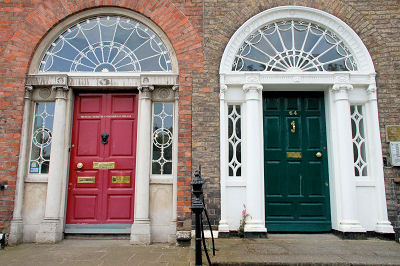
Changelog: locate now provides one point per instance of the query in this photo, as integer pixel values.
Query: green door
(295, 162)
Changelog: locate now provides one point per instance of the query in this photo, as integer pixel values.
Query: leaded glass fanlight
(293, 46)
(107, 44)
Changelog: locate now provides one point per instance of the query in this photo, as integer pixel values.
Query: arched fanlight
(107, 44)
(293, 46)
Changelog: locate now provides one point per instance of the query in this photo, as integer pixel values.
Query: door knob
(79, 165)
(318, 154)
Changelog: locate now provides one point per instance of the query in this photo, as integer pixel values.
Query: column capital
(341, 91)
(145, 91)
(253, 91)
(341, 87)
(28, 92)
(61, 91)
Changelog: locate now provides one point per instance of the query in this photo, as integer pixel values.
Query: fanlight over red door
(102, 170)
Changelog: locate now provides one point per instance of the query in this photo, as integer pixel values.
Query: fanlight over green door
(293, 46)
(107, 44)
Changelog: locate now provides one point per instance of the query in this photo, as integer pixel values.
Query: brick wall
(24, 23)
(377, 24)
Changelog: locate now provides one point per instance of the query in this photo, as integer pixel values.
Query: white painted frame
(357, 204)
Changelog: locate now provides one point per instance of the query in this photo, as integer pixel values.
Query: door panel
(296, 180)
(103, 194)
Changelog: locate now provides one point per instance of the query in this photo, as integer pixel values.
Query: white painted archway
(358, 203)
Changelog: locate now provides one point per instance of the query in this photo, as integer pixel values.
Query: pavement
(278, 249)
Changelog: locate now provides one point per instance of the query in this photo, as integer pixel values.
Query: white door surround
(358, 203)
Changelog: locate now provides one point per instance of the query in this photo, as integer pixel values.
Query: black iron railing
(198, 208)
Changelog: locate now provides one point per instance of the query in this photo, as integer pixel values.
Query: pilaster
(223, 223)
(16, 230)
(376, 165)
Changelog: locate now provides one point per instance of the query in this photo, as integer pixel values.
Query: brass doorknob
(79, 165)
(318, 154)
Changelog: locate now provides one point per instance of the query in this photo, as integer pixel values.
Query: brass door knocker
(293, 130)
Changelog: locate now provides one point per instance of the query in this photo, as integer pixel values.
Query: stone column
(375, 164)
(51, 230)
(348, 221)
(140, 231)
(254, 166)
(16, 230)
(223, 223)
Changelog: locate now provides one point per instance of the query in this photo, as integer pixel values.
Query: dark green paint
(296, 189)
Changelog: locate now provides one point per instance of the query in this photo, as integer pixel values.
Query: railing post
(197, 208)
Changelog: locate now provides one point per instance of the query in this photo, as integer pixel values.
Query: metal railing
(198, 208)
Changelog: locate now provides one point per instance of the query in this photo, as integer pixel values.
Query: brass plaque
(292, 154)
(86, 179)
(126, 179)
(392, 133)
(103, 165)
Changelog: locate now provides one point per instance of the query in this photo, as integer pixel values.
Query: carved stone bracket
(28, 92)
(222, 90)
(175, 88)
(371, 90)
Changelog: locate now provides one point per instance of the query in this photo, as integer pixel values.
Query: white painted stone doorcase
(104, 65)
(357, 196)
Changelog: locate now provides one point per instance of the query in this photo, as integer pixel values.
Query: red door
(103, 156)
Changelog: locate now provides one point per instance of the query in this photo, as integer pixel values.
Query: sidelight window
(162, 138)
(234, 140)
(41, 138)
(359, 140)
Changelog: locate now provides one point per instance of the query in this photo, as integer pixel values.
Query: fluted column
(348, 221)
(140, 231)
(50, 230)
(375, 164)
(16, 229)
(254, 166)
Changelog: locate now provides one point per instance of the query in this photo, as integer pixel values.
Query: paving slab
(277, 249)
